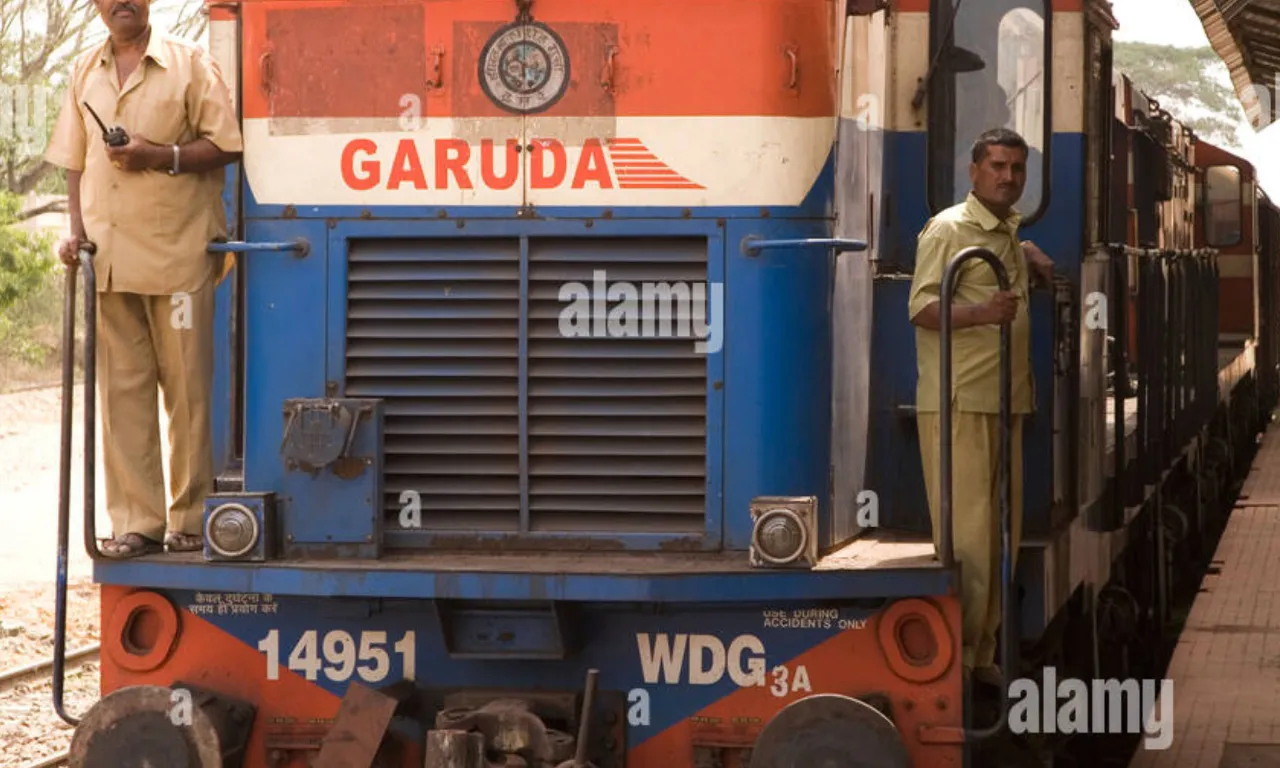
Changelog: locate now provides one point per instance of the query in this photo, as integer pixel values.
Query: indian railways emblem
(524, 68)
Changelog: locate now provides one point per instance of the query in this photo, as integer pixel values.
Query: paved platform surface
(1226, 668)
(30, 433)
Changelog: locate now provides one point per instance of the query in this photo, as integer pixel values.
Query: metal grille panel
(614, 428)
(433, 329)
(617, 426)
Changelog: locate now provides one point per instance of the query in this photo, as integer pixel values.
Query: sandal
(130, 545)
(184, 542)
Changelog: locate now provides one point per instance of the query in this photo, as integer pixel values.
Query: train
(475, 506)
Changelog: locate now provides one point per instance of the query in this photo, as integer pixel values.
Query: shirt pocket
(979, 275)
(163, 120)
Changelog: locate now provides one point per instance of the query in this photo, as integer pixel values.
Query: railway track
(40, 668)
(59, 758)
(42, 671)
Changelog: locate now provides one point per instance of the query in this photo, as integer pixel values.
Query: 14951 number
(368, 658)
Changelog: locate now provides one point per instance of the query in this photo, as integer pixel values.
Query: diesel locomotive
(565, 388)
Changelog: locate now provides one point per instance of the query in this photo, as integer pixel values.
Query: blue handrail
(752, 247)
(236, 246)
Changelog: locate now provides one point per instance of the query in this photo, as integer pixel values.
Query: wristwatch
(174, 170)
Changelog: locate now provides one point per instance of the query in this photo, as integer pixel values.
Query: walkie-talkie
(116, 137)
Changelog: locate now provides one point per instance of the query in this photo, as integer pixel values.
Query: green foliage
(25, 259)
(28, 290)
(1188, 82)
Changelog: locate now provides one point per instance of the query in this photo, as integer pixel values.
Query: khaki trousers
(145, 342)
(975, 508)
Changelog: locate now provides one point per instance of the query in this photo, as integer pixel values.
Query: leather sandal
(184, 542)
(130, 545)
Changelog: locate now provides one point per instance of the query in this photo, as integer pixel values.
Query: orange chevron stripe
(638, 168)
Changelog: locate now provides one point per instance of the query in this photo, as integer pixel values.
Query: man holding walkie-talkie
(146, 126)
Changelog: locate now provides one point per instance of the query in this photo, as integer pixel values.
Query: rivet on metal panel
(686, 213)
(608, 213)
(717, 385)
(442, 214)
(366, 214)
(588, 223)
(289, 537)
(290, 212)
(331, 388)
(461, 224)
(331, 223)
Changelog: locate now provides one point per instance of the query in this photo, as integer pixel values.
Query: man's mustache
(125, 7)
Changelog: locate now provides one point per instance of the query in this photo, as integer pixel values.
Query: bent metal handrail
(85, 263)
(1004, 477)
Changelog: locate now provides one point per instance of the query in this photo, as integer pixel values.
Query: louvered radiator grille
(614, 429)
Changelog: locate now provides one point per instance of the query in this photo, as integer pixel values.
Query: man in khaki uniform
(151, 207)
(987, 219)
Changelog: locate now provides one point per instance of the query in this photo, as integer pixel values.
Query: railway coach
(477, 505)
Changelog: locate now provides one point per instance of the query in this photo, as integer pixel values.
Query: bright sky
(1174, 22)
(1171, 22)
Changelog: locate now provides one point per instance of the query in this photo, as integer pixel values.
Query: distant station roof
(1246, 35)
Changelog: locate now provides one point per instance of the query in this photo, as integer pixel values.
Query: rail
(752, 246)
(1173, 354)
(1004, 477)
(299, 246)
(84, 264)
(14, 674)
(56, 759)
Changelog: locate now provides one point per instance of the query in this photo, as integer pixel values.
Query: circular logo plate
(524, 68)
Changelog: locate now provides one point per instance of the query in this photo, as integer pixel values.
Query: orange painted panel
(855, 662)
(738, 718)
(327, 59)
(205, 655)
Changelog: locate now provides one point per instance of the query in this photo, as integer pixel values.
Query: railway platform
(1225, 670)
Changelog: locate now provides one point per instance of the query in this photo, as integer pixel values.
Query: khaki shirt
(975, 355)
(152, 229)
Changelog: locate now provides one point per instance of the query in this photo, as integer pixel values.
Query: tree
(24, 258)
(1190, 83)
(39, 41)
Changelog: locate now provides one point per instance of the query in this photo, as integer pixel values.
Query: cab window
(991, 72)
(1222, 199)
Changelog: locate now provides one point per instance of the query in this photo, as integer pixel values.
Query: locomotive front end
(525, 406)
